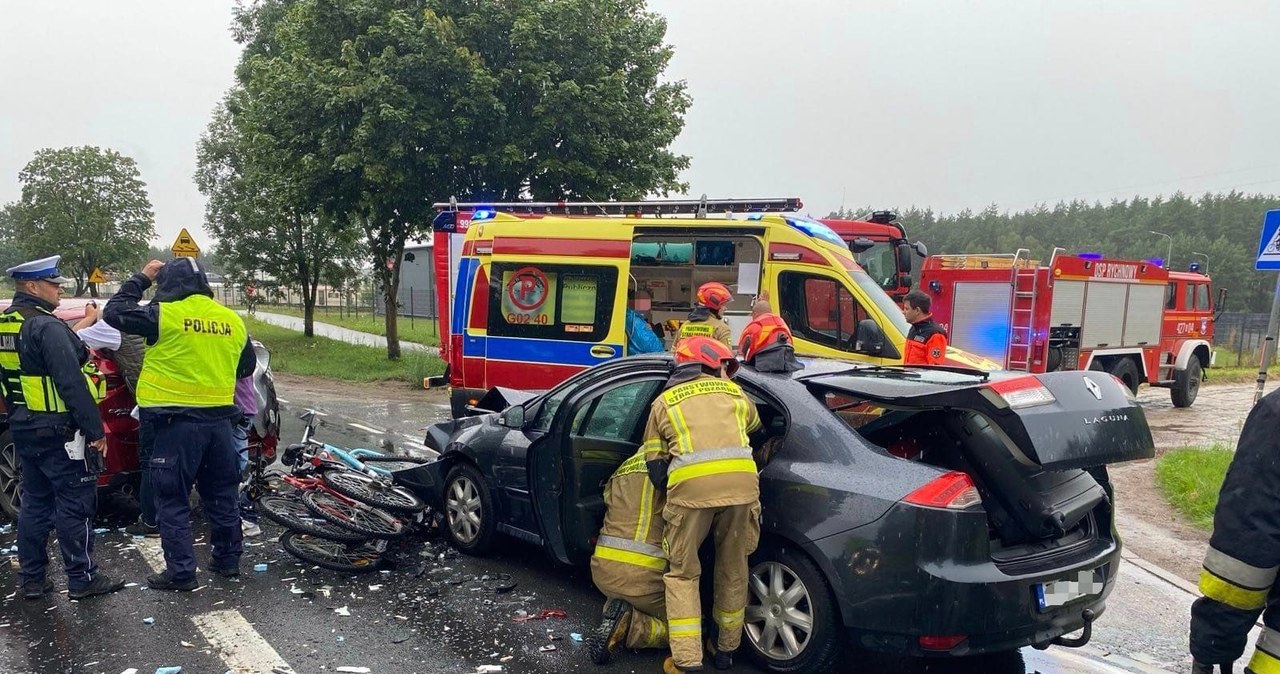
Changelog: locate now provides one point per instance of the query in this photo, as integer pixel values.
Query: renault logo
(1093, 388)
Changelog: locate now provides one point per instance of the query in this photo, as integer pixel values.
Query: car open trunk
(1031, 444)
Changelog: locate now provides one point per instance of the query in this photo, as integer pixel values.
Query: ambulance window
(552, 301)
(1171, 296)
(819, 309)
(1202, 297)
(654, 254)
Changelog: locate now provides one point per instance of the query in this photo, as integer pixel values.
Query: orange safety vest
(926, 344)
(763, 331)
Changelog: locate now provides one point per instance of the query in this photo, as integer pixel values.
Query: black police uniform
(57, 491)
(1239, 579)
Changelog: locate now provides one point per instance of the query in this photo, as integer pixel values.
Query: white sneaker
(250, 528)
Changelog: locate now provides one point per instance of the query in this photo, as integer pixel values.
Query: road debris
(342, 610)
(353, 670)
(542, 615)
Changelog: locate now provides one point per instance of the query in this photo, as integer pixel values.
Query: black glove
(658, 472)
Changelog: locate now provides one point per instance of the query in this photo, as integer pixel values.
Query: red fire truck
(1135, 319)
(880, 247)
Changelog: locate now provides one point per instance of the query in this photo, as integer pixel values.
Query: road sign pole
(1269, 343)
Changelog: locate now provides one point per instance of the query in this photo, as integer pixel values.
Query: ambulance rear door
(556, 306)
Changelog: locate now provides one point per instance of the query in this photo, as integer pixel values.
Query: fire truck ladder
(699, 208)
(1023, 284)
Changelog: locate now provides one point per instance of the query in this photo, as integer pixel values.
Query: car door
(596, 429)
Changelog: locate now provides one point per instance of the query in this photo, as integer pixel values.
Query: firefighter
(696, 449)
(705, 319)
(52, 391)
(1239, 573)
(186, 393)
(927, 339)
(628, 564)
(766, 343)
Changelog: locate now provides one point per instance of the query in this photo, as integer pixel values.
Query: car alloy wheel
(10, 485)
(779, 615)
(464, 508)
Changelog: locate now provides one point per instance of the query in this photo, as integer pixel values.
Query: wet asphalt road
(434, 611)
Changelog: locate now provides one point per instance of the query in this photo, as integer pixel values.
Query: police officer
(696, 448)
(766, 343)
(705, 318)
(1239, 580)
(628, 564)
(927, 339)
(198, 348)
(52, 392)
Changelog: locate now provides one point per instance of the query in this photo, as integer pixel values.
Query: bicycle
(336, 517)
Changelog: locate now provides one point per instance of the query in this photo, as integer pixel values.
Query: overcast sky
(941, 103)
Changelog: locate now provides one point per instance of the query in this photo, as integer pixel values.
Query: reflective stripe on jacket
(37, 392)
(193, 363)
(701, 427)
(629, 559)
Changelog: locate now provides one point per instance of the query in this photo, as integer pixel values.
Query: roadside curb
(1096, 655)
(1163, 574)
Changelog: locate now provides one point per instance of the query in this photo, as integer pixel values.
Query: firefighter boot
(669, 666)
(722, 659)
(611, 633)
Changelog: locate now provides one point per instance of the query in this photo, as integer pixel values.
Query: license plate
(1060, 592)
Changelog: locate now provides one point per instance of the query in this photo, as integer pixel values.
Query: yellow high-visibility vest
(36, 392)
(194, 361)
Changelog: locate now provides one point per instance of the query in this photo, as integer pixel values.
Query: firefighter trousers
(736, 531)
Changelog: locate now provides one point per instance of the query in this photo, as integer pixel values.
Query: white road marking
(364, 428)
(240, 647)
(151, 552)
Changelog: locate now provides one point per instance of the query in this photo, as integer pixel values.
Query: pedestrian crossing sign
(1269, 246)
(97, 276)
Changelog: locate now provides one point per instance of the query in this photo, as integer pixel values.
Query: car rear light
(939, 642)
(951, 491)
(1022, 392)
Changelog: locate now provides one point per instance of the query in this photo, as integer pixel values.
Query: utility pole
(1168, 259)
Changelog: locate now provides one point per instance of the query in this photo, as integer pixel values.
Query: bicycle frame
(349, 457)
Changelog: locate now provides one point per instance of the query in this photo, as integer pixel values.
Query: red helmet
(706, 351)
(714, 295)
(773, 330)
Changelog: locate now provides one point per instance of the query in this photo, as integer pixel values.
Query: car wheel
(1186, 384)
(468, 511)
(1127, 372)
(791, 623)
(10, 485)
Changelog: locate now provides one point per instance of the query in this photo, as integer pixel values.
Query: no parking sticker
(528, 296)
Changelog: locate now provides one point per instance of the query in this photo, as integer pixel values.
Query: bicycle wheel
(290, 512)
(333, 555)
(372, 491)
(357, 517)
(394, 463)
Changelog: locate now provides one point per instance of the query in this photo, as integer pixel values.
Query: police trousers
(57, 493)
(202, 453)
(736, 531)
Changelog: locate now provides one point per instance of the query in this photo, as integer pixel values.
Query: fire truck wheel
(1186, 384)
(1127, 372)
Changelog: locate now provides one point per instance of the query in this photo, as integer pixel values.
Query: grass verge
(1190, 479)
(295, 353)
(420, 330)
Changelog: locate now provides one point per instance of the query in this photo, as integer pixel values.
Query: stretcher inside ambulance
(537, 299)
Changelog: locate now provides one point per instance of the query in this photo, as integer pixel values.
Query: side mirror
(1221, 305)
(512, 417)
(904, 259)
(920, 249)
(869, 338)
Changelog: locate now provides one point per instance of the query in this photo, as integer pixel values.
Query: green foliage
(1190, 479)
(10, 252)
(373, 109)
(262, 220)
(1223, 226)
(295, 353)
(86, 204)
(419, 330)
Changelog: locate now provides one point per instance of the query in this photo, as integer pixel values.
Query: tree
(10, 223)
(376, 108)
(88, 205)
(258, 220)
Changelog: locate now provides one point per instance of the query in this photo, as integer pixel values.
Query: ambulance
(539, 298)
